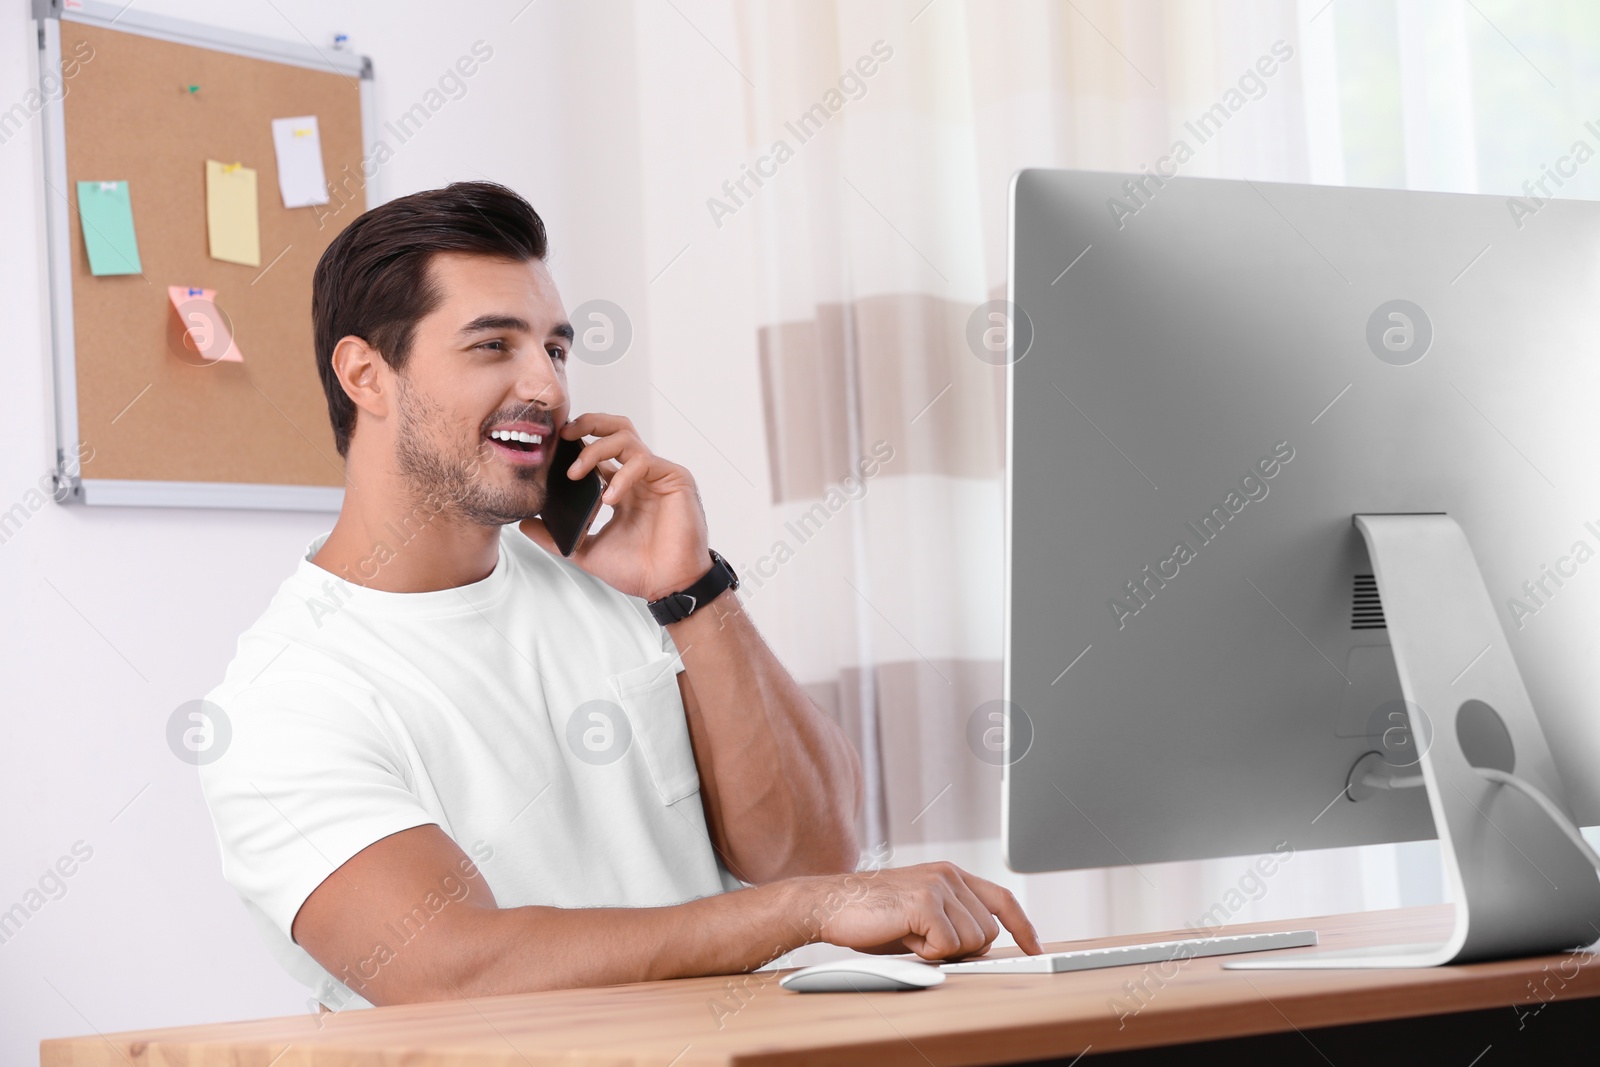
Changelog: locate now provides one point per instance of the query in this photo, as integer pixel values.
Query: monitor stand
(1520, 886)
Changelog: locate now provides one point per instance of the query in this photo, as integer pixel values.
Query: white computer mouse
(863, 974)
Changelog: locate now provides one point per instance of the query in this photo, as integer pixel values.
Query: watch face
(733, 576)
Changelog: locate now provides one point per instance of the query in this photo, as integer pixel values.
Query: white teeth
(516, 435)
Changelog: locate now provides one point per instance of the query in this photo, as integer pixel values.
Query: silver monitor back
(1237, 368)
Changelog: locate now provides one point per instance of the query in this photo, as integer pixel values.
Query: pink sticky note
(206, 329)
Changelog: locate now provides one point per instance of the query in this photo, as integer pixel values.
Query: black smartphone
(570, 504)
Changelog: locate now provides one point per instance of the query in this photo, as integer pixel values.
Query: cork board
(148, 412)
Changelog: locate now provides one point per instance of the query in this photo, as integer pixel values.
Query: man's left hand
(656, 541)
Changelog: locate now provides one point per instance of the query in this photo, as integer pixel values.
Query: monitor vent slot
(1366, 610)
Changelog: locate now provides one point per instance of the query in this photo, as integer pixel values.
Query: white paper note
(301, 178)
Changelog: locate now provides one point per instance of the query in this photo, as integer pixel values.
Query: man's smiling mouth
(521, 442)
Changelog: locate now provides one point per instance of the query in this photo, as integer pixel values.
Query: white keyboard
(1150, 952)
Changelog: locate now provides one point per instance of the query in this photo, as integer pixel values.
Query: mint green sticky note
(107, 217)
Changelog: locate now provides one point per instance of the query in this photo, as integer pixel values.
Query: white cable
(1374, 780)
(1558, 816)
(1527, 789)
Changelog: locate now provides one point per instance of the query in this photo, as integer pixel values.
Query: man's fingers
(616, 446)
(937, 911)
(988, 928)
(968, 929)
(622, 481)
(932, 937)
(595, 424)
(1004, 907)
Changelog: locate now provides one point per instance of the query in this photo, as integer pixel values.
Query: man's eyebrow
(495, 322)
(562, 330)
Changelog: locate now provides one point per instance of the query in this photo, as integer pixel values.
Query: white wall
(114, 617)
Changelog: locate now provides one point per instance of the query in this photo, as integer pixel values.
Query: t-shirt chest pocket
(649, 697)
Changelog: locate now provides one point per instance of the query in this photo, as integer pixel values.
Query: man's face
(491, 359)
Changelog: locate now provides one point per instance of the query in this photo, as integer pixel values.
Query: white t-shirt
(534, 716)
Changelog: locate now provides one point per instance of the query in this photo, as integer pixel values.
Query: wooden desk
(970, 1019)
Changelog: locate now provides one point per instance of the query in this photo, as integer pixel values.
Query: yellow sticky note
(232, 222)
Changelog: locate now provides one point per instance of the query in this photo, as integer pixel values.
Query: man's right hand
(935, 910)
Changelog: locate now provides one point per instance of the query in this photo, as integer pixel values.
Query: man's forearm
(784, 784)
(528, 949)
(473, 947)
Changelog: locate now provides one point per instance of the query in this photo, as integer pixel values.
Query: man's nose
(539, 384)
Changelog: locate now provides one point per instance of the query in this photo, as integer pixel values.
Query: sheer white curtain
(825, 191)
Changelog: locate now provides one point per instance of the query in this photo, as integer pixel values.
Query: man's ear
(360, 370)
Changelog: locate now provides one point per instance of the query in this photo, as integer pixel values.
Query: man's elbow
(442, 962)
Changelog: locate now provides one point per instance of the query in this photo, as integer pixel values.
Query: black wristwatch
(675, 607)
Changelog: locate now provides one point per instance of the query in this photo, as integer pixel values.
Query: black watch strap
(675, 607)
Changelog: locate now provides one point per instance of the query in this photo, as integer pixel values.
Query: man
(640, 799)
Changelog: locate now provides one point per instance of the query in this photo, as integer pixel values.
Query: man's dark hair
(373, 280)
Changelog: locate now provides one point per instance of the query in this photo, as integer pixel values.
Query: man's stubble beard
(452, 486)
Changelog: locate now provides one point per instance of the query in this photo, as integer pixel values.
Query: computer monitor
(1207, 381)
